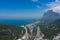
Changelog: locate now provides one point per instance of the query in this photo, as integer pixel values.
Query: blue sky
(27, 8)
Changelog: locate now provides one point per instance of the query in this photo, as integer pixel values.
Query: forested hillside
(10, 32)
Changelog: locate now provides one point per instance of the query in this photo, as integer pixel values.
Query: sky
(16, 9)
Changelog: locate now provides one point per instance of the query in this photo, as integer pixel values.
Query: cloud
(55, 6)
(57, 1)
(56, 9)
(38, 6)
(35, 0)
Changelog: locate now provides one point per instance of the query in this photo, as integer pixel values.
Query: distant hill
(50, 30)
(57, 22)
(50, 24)
(50, 16)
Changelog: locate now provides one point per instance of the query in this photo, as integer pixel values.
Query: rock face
(26, 35)
(51, 13)
(50, 16)
(57, 37)
(39, 35)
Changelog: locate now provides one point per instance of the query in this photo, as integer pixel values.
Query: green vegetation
(50, 30)
(15, 32)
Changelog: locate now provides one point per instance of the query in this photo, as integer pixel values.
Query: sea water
(17, 22)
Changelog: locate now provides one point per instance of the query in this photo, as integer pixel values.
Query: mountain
(10, 32)
(50, 13)
(50, 16)
(56, 23)
(50, 30)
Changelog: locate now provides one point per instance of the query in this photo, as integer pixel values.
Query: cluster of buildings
(38, 36)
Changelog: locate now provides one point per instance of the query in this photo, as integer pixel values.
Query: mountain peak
(50, 16)
(51, 13)
(50, 10)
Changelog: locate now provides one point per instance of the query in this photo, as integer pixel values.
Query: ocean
(17, 22)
